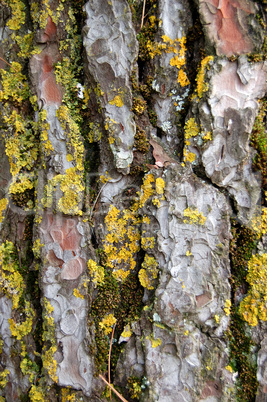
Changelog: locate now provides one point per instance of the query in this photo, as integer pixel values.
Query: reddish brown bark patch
(203, 299)
(50, 32)
(73, 269)
(226, 21)
(53, 260)
(212, 388)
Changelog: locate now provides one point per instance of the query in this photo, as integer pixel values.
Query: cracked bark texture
(125, 156)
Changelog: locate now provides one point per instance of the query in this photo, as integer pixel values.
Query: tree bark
(133, 194)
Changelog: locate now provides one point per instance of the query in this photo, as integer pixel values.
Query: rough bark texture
(133, 189)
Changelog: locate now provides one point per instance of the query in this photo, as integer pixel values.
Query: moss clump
(240, 359)
(134, 387)
(141, 142)
(114, 301)
(139, 105)
(241, 246)
(243, 243)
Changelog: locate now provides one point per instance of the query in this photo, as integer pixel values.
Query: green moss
(243, 243)
(49, 348)
(139, 105)
(241, 247)
(240, 360)
(134, 387)
(124, 302)
(141, 142)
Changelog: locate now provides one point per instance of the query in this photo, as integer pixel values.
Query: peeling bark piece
(71, 240)
(160, 155)
(73, 269)
(111, 48)
(69, 322)
(233, 104)
(227, 25)
(53, 260)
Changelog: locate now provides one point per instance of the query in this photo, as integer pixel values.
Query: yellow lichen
(97, 272)
(147, 242)
(207, 136)
(11, 281)
(74, 142)
(160, 185)
(126, 332)
(201, 85)
(189, 156)
(227, 307)
(117, 101)
(107, 323)
(37, 245)
(154, 342)
(229, 368)
(36, 394)
(191, 128)
(21, 183)
(77, 293)
(254, 306)
(123, 235)
(67, 396)
(49, 363)
(192, 216)
(146, 189)
(19, 330)
(217, 319)
(149, 272)
(18, 15)
(183, 79)
(3, 378)
(72, 187)
(3, 205)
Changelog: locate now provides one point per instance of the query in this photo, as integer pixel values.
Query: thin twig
(113, 389)
(143, 14)
(5, 62)
(109, 357)
(8, 64)
(100, 191)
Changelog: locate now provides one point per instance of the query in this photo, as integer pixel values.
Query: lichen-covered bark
(133, 213)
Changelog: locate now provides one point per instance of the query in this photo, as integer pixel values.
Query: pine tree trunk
(133, 212)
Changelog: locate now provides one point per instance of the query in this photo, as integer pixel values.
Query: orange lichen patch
(224, 22)
(73, 269)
